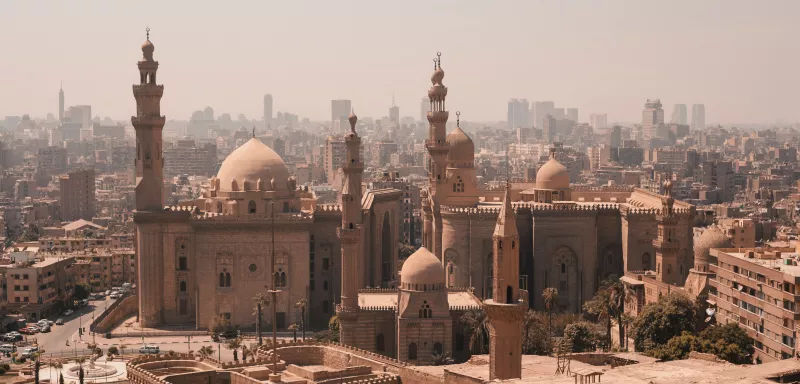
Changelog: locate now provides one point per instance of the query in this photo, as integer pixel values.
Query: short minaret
(148, 123)
(505, 310)
(666, 244)
(350, 234)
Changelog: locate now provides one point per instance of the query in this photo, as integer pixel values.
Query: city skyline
(231, 67)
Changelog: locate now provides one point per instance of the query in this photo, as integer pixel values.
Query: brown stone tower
(666, 244)
(350, 235)
(505, 310)
(437, 149)
(149, 216)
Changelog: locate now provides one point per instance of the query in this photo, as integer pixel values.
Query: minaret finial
(435, 63)
(439, 59)
(148, 33)
(254, 131)
(458, 119)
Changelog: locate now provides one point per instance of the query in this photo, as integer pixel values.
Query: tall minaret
(350, 235)
(149, 216)
(668, 269)
(505, 311)
(148, 124)
(437, 148)
(61, 103)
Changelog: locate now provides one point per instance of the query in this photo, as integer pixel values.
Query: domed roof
(712, 237)
(552, 175)
(422, 267)
(462, 150)
(253, 161)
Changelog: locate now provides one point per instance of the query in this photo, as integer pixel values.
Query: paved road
(55, 340)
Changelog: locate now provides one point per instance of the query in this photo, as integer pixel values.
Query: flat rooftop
(389, 299)
(787, 262)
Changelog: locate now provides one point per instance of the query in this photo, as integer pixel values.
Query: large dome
(422, 271)
(712, 237)
(462, 150)
(253, 161)
(552, 175)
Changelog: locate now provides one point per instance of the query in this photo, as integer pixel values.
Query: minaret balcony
(662, 244)
(438, 116)
(148, 90)
(352, 167)
(349, 235)
(148, 120)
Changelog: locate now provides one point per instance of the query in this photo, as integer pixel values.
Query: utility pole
(274, 295)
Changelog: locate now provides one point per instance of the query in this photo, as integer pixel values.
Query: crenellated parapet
(378, 290)
(602, 188)
(379, 308)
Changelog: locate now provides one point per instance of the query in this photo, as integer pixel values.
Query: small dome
(147, 49)
(422, 267)
(437, 76)
(462, 149)
(253, 161)
(712, 237)
(552, 175)
(352, 118)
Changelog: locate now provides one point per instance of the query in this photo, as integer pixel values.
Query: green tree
(261, 301)
(293, 327)
(302, 304)
(441, 358)
(333, 324)
(730, 343)
(659, 322)
(550, 296)
(81, 291)
(582, 335)
(476, 324)
(234, 345)
(80, 362)
(404, 251)
(205, 352)
(602, 306)
(536, 339)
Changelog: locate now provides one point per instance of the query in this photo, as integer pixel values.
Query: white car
(149, 350)
(115, 296)
(68, 312)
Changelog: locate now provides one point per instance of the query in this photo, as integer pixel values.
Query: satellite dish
(710, 311)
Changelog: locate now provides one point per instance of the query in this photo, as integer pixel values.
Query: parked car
(149, 350)
(59, 321)
(68, 312)
(29, 352)
(8, 348)
(45, 329)
(107, 293)
(115, 295)
(13, 336)
(28, 331)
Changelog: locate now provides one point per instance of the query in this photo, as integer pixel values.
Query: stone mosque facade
(212, 255)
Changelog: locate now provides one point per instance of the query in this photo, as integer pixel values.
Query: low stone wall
(116, 313)
(704, 356)
(326, 375)
(460, 378)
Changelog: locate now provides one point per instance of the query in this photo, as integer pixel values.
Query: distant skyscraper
(558, 113)
(267, 110)
(549, 127)
(540, 110)
(81, 114)
(424, 108)
(698, 117)
(572, 114)
(652, 116)
(598, 120)
(208, 112)
(394, 113)
(518, 113)
(61, 104)
(679, 115)
(616, 136)
(340, 109)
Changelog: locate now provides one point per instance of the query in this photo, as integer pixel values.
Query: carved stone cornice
(504, 312)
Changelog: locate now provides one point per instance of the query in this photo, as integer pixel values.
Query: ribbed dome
(712, 237)
(422, 267)
(253, 161)
(552, 175)
(462, 150)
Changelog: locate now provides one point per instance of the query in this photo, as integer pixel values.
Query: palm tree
(603, 306)
(122, 347)
(550, 295)
(476, 323)
(80, 361)
(620, 293)
(234, 345)
(293, 327)
(261, 301)
(57, 365)
(206, 351)
(302, 304)
(37, 365)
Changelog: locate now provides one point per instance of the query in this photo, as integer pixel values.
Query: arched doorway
(647, 263)
(565, 273)
(386, 251)
(412, 351)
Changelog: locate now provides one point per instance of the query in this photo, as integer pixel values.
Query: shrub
(6, 366)
(2, 371)
(113, 350)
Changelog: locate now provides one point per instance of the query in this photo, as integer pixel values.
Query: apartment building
(37, 288)
(741, 232)
(104, 269)
(758, 289)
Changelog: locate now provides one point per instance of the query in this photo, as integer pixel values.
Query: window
(509, 295)
(283, 279)
(182, 264)
(326, 265)
(228, 279)
(563, 268)
(183, 286)
(325, 285)
(285, 206)
(183, 309)
(222, 279)
(562, 286)
(437, 348)
(380, 343)
(251, 207)
(412, 351)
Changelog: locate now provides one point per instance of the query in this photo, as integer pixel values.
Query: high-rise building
(572, 114)
(187, 157)
(424, 108)
(698, 117)
(540, 110)
(81, 114)
(267, 111)
(679, 115)
(652, 116)
(61, 104)
(77, 195)
(340, 109)
(51, 160)
(335, 151)
(518, 113)
(598, 121)
(549, 127)
(394, 113)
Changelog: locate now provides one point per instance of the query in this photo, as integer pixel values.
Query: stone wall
(116, 313)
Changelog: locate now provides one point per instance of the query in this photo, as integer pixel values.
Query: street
(55, 340)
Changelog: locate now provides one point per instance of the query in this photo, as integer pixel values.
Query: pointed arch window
(222, 279)
(227, 279)
(251, 207)
(412, 351)
(183, 286)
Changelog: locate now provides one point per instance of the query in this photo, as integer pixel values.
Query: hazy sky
(740, 58)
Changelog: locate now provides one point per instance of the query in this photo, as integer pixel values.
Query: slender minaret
(149, 217)
(61, 103)
(350, 234)
(505, 311)
(437, 149)
(148, 124)
(666, 244)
